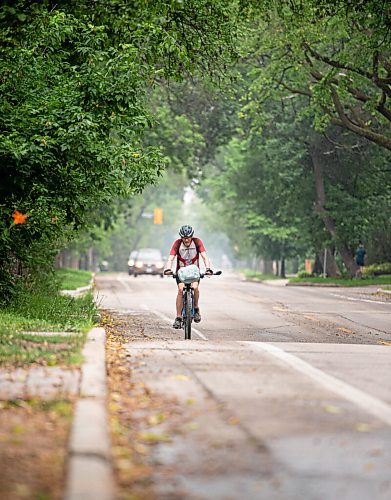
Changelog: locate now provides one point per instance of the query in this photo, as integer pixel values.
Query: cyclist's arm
(169, 262)
(205, 258)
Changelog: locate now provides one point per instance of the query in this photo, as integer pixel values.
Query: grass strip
(379, 280)
(45, 313)
(248, 274)
(71, 279)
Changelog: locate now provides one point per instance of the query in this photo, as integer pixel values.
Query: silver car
(131, 262)
(148, 261)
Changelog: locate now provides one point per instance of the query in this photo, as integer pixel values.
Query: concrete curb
(79, 291)
(387, 292)
(336, 285)
(90, 475)
(322, 285)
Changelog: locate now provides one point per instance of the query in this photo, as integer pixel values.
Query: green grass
(379, 280)
(61, 407)
(259, 276)
(31, 312)
(386, 288)
(71, 279)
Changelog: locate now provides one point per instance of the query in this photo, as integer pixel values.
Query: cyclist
(187, 249)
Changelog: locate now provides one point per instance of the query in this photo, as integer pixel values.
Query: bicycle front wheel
(188, 308)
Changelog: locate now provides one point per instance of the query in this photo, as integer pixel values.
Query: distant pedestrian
(360, 257)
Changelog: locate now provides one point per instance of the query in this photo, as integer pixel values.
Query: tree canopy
(282, 108)
(75, 79)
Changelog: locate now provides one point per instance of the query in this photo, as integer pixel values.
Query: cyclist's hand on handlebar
(208, 271)
(167, 272)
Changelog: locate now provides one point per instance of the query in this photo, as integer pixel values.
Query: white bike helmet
(186, 231)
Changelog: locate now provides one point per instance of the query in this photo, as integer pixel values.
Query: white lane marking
(123, 282)
(370, 404)
(166, 318)
(358, 300)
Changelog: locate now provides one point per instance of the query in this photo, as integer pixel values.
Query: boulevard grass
(378, 280)
(26, 321)
(71, 279)
(248, 274)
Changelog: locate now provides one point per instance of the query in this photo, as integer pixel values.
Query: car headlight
(139, 264)
(130, 262)
(159, 265)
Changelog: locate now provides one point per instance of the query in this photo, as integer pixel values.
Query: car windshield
(149, 253)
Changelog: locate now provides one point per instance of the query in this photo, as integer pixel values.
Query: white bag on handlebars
(189, 274)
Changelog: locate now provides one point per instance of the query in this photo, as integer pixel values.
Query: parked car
(148, 261)
(103, 266)
(131, 261)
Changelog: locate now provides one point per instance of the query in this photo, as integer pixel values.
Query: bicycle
(188, 304)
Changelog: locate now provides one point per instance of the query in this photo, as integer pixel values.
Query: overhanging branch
(344, 121)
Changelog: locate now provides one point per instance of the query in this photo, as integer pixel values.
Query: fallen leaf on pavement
(156, 419)
(23, 491)
(192, 426)
(17, 429)
(312, 318)
(141, 449)
(179, 376)
(124, 463)
(368, 466)
(332, 409)
(362, 427)
(344, 330)
(233, 421)
(152, 437)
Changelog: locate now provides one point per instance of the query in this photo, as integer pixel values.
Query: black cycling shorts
(179, 281)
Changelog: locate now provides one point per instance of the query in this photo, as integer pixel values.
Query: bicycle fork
(187, 310)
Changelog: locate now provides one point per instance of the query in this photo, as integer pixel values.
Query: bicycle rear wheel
(188, 308)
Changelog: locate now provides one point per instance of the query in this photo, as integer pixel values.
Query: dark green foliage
(74, 79)
(39, 311)
(304, 274)
(71, 279)
(377, 269)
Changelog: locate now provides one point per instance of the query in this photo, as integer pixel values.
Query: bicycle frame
(187, 310)
(188, 305)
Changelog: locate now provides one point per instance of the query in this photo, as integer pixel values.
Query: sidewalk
(46, 395)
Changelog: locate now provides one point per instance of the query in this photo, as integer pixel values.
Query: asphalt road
(285, 390)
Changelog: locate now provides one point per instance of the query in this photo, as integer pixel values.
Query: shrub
(377, 269)
(305, 274)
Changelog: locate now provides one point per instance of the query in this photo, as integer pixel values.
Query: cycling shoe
(177, 323)
(197, 316)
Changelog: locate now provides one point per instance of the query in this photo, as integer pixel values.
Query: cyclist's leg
(197, 314)
(196, 289)
(179, 304)
(179, 300)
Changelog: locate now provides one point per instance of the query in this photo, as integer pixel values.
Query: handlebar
(217, 273)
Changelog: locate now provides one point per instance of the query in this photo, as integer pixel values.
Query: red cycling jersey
(187, 255)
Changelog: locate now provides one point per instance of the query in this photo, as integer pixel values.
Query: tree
(335, 54)
(74, 80)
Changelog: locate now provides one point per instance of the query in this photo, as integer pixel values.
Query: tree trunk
(74, 263)
(267, 267)
(347, 257)
(282, 267)
(90, 259)
(295, 265)
(332, 269)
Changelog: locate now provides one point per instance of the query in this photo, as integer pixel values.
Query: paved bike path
(264, 428)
